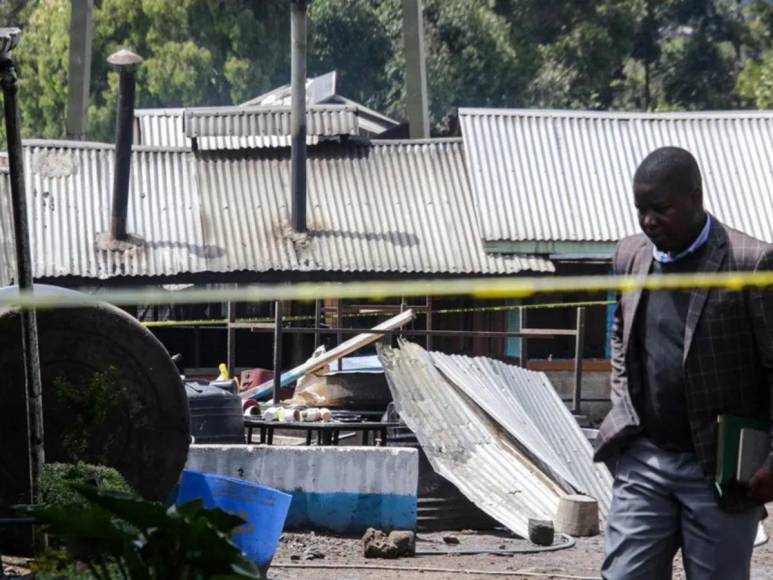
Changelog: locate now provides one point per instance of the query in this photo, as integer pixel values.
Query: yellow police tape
(511, 287)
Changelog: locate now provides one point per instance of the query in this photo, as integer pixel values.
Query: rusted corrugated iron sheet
(542, 175)
(465, 446)
(393, 207)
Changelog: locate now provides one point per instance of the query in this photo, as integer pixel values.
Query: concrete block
(578, 515)
(343, 489)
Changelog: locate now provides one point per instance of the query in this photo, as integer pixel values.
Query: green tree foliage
(197, 52)
(603, 54)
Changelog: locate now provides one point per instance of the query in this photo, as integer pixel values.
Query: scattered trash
(283, 414)
(451, 540)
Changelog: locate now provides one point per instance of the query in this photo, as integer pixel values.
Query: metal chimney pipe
(298, 115)
(127, 63)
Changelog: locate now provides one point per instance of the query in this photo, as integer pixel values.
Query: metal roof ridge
(247, 109)
(426, 141)
(643, 115)
(70, 144)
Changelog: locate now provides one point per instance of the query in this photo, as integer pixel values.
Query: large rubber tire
(146, 438)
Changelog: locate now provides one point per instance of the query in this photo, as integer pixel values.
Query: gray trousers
(661, 502)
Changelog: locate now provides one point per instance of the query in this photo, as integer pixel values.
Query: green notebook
(729, 439)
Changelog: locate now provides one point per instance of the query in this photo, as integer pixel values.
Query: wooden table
(327, 433)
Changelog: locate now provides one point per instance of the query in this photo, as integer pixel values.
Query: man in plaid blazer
(680, 359)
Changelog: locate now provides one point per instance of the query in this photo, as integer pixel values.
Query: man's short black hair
(671, 166)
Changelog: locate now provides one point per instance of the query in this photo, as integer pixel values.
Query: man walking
(680, 358)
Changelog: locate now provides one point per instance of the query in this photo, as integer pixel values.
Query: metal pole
(415, 70)
(339, 334)
(231, 339)
(277, 351)
(24, 275)
(429, 322)
(522, 342)
(79, 78)
(317, 310)
(298, 115)
(580, 344)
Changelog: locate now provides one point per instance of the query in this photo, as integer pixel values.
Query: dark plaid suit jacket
(728, 348)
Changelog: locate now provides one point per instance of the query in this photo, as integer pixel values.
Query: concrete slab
(343, 489)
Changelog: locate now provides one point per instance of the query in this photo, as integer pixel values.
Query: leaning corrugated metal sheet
(392, 207)
(566, 176)
(464, 446)
(526, 404)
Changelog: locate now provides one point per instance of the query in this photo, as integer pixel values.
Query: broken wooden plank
(347, 347)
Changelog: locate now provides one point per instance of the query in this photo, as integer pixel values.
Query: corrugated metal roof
(322, 90)
(466, 447)
(160, 128)
(245, 127)
(566, 176)
(69, 189)
(239, 127)
(394, 207)
(527, 405)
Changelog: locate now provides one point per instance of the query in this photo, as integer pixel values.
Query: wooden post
(579, 347)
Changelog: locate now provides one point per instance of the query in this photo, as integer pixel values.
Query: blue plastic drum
(264, 509)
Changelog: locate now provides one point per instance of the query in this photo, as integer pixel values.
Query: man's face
(668, 218)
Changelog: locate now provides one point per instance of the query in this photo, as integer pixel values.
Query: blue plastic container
(264, 508)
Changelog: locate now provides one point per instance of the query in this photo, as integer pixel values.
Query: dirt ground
(319, 556)
(341, 559)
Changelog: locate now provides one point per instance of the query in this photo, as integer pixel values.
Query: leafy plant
(58, 479)
(90, 403)
(116, 535)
